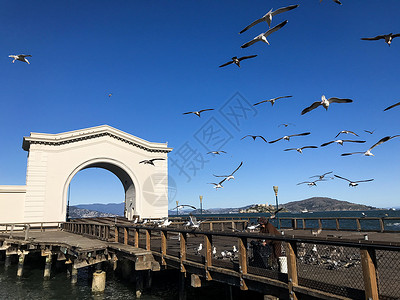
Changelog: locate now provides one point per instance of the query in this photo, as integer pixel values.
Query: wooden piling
(21, 259)
(242, 248)
(74, 274)
(182, 252)
(99, 281)
(292, 268)
(368, 263)
(181, 286)
(7, 261)
(47, 267)
(139, 283)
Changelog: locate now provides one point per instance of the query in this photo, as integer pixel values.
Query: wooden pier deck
(330, 264)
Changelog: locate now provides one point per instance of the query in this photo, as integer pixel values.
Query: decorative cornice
(91, 133)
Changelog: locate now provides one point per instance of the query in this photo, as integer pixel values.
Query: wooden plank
(242, 248)
(292, 268)
(368, 263)
(182, 250)
(358, 224)
(125, 236)
(382, 224)
(136, 238)
(163, 247)
(148, 235)
(337, 224)
(208, 254)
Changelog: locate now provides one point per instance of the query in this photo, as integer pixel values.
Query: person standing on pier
(267, 227)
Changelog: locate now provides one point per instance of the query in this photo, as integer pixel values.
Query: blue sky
(160, 59)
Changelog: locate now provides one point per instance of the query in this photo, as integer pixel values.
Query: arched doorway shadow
(124, 174)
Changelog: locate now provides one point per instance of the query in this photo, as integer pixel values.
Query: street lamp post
(201, 204)
(177, 212)
(275, 187)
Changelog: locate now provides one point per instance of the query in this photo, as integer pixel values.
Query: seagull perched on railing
(20, 57)
(325, 103)
(340, 142)
(268, 16)
(368, 152)
(263, 36)
(387, 37)
(230, 176)
(300, 150)
(287, 137)
(254, 137)
(346, 132)
(165, 223)
(150, 161)
(236, 60)
(353, 183)
(391, 106)
(197, 113)
(322, 176)
(272, 100)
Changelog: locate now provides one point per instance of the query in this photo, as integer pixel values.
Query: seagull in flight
(353, 183)
(346, 132)
(287, 137)
(230, 176)
(310, 183)
(322, 176)
(254, 137)
(336, 1)
(268, 16)
(216, 152)
(263, 36)
(182, 206)
(285, 124)
(340, 142)
(300, 150)
(237, 61)
(272, 100)
(387, 37)
(325, 103)
(370, 132)
(391, 106)
(20, 57)
(150, 161)
(218, 185)
(368, 152)
(197, 113)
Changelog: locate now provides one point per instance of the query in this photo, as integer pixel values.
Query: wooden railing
(160, 240)
(10, 228)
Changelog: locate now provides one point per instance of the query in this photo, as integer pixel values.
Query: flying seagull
(286, 124)
(263, 36)
(336, 1)
(20, 57)
(150, 161)
(368, 152)
(182, 206)
(272, 100)
(230, 176)
(370, 132)
(340, 142)
(300, 150)
(346, 132)
(218, 185)
(353, 183)
(310, 183)
(109, 95)
(216, 152)
(268, 16)
(287, 137)
(391, 106)
(197, 113)
(321, 176)
(325, 103)
(254, 137)
(237, 61)
(387, 37)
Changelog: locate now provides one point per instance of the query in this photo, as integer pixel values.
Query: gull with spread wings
(340, 142)
(300, 150)
(197, 113)
(387, 37)
(322, 176)
(263, 36)
(230, 176)
(271, 100)
(391, 106)
(268, 16)
(346, 132)
(368, 152)
(325, 103)
(235, 60)
(150, 161)
(287, 137)
(353, 183)
(254, 137)
(20, 57)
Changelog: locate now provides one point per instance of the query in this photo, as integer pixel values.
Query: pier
(316, 264)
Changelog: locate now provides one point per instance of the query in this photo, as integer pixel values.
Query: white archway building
(54, 159)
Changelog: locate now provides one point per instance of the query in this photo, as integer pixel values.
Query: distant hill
(75, 212)
(110, 208)
(324, 204)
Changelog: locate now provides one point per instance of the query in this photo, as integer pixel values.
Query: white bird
(287, 137)
(182, 206)
(311, 183)
(252, 227)
(150, 161)
(387, 37)
(20, 57)
(254, 137)
(321, 176)
(346, 132)
(198, 249)
(230, 176)
(268, 16)
(234, 250)
(340, 142)
(166, 223)
(325, 103)
(235, 60)
(197, 113)
(218, 185)
(272, 100)
(368, 152)
(353, 183)
(214, 251)
(193, 222)
(263, 36)
(300, 150)
(391, 106)
(216, 152)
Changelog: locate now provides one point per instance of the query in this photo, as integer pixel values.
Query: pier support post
(139, 283)
(74, 274)
(47, 267)
(99, 281)
(149, 279)
(7, 261)
(21, 259)
(181, 286)
(368, 262)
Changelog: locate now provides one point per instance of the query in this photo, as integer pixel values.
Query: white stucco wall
(12, 199)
